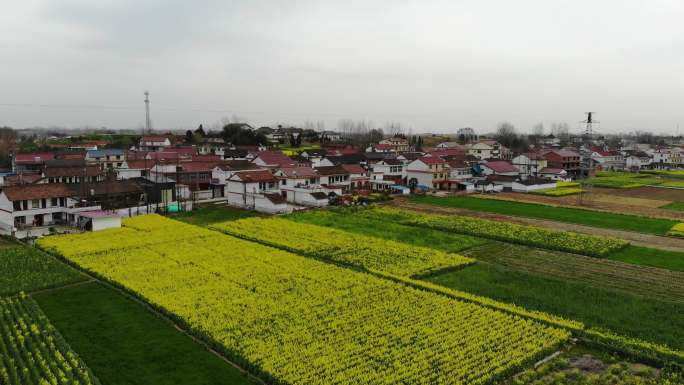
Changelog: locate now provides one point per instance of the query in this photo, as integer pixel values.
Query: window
(53, 202)
(17, 205)
(62, 202)
(35, 203)
(24, 205)
(283, 182)
(43, 203)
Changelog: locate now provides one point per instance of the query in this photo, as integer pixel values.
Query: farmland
(562, 214)
(31, 350)
(298, 320)
(26, 269)
(125, 344)
(509, 232)
(361, 251)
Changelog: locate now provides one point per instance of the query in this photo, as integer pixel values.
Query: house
(608, 160)
(487, 186)
(27, 162)
(499, 167)
(390, 167)
(96, 220)
(568, 160)
(334, 177)
(257, 190)
(30, 209)
(73, 174)
(557, 174)
(384, 148)
(301, 185)
(637, 160)
(106, 159)
(530, 163)
(224, 170)
(396, 143)
(358, 176)
(532, 184)
(486, 149)
(273, 159)
(154, 142)
(427, 172)
(459, 173)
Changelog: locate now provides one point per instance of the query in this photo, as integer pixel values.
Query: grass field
(620, 312)
(601, 273)
(208, 214)
(23, 268)
(124, 344)
(645, 256)
(561, 214)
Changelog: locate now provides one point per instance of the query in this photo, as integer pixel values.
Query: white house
(390, 167)
(431, 172)
(485, 149)
(257, 190)
(30, 209)
(557, 174)
(530, 163)
(154, 142)
(499, 167)
(107, 158)
(334, 177)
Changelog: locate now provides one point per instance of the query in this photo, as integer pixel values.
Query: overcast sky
(432, 65)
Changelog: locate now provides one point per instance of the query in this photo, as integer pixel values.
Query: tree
(506, 134)
(242, 134)
(8, 138)
(188, 136)
(200, 131)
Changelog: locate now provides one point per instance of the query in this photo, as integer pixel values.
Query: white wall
(106, 223)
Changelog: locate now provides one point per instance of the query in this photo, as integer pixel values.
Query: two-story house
(107, 158)
(257, 190)
(154, 142)
(530, 163)
(427, 172)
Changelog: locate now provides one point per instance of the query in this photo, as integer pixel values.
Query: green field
(665, 259)
(208, 214)
(620, 312)
(23, 268)
(351, 220)
(125, 344)
(561, 214)
(344, 219)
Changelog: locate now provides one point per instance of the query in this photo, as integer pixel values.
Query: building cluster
(90, 186)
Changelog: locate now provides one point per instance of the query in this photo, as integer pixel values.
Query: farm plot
(644, 281)
(369, 253)
(31, 350)
(639, 224)
(296, 320)
(23, 268)
(508, 232)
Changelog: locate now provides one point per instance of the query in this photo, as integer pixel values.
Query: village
(89, 185)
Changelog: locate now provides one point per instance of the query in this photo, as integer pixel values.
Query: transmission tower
(148, 122)
(589, 125)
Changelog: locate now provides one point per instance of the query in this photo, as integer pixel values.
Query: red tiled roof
(153, 138)
(332, 170)
(33, 157)
(232, 165)
(51, 172)
(13, 180)
(353, 169)
(37, 191)
(501, 166)
(431, 160)
(252, 176)
(275, 158)
(197, 166)
(382, 146)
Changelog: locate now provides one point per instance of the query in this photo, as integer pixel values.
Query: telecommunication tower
(148, 122)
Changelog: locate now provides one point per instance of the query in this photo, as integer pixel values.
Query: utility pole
(148, 122)
(588, 134)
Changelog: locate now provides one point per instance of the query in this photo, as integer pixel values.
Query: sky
(433, 66)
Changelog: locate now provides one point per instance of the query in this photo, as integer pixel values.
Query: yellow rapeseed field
(297, 320)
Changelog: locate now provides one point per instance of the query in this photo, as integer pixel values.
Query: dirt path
(637, 239)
